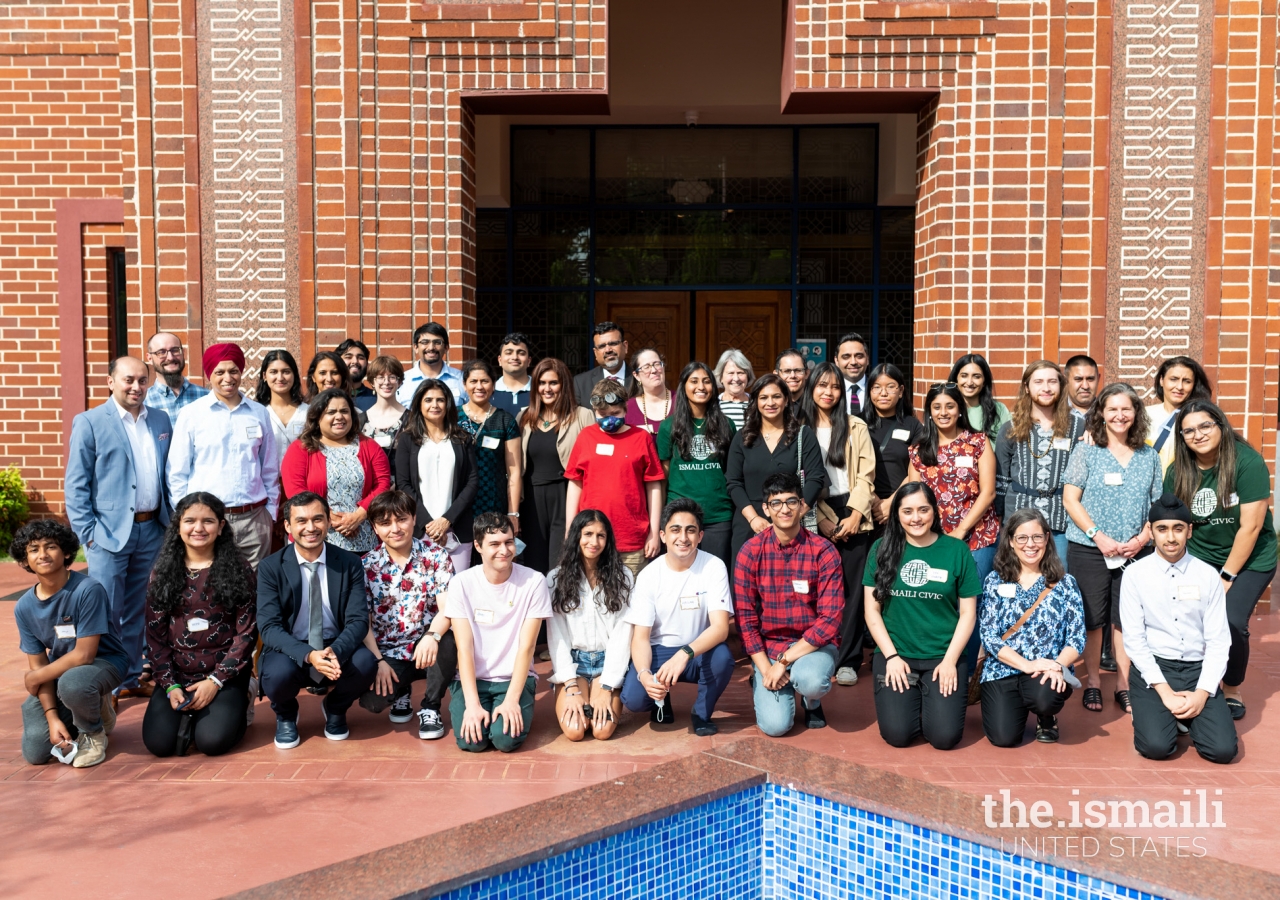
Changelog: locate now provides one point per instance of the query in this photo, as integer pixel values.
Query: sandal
(1236, 706)
(1093, 699)
(1122, 698)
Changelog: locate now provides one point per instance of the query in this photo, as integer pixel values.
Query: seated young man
(74, 654)
(496, 610)
(1174, 613)
(405, 579)
(789, 600)
(680, 607)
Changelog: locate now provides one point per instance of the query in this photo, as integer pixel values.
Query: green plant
(14, 509)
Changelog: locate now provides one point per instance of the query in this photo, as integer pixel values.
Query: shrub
(14, 509)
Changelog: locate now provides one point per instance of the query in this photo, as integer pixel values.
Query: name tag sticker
(800, 586)
(295, 430)
(1232, 500)
(1007, 590)
(691, 601)
(65, 632)
(900, 434)
(604, 449)
(964, 462)
(939, 575)
(197, 624)
(1062, 443)
(1115, 479)
(483, 616)
(1188, 592)
(253, 431)
(489, 442)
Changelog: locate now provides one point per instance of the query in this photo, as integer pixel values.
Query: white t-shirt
(676, 604)
(496, 613)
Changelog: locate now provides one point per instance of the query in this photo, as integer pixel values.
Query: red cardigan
(303, 470)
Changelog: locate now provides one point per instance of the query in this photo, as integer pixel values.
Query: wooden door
(756, 322)
(657, 319)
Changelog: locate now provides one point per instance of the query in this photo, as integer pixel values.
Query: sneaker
(108, 713)
(401, 710)
(286, 733)
(814, 718)
(1181, 726)
(335, 724)
(1047, 730)
(703, 727)
(846, 676)
(663, 714)
(93, 750)
(430, 725)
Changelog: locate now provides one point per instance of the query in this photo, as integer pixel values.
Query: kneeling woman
(921, 603)
(1032, 630)
(202, 628)
(590, 644)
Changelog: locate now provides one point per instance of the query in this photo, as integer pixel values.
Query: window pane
(897, 330)
(491, 248)
(897, 245)
(835, 246)
(831, 314)
(718, 165)
(550, 165)
(557, 325)
(838, 165)
(635, 247)
(551, 248)
(491, 324)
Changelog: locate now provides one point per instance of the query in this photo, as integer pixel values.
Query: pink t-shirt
(496, 613)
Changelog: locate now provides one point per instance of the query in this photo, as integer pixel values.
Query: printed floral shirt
(404, 601)
(956, 486)
(1056, 623)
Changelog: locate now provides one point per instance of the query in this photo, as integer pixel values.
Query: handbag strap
(1027, 615)
(800, 454)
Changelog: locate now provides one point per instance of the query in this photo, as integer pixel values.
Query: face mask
(611, 424)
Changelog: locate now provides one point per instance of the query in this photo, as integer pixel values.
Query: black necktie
(854, 405)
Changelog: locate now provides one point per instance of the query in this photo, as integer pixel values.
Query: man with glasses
(511, 393)
(851, 357)
(790, 367)
(171, 391)
(611, 354)
(356, 355)
(789, 601)
(431, 341)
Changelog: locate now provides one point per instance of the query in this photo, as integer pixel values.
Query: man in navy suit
(309, 640)
(118, 502)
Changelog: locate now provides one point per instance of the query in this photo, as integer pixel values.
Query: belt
(1020, 488)
(145, 516)
(249, 507)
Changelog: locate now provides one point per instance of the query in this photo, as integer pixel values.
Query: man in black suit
(309, 643)
(852, 358)
(611, 357)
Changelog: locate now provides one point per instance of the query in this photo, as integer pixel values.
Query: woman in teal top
(985, 413)
(499, 457)
(921, 605)
(692, 444)
(1226, 485)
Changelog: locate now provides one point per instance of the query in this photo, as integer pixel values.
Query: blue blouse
(1058, 622)
(1120, 510)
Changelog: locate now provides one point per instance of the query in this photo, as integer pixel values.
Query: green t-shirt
(924, 605)
(700, 478)
(1214, 527)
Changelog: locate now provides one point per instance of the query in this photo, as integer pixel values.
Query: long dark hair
(417, 427)
(894, 542)
(790, 421)
(716, 429)
(1202, 390)
(1007, 564)
(1186, 472)
(565, 405)
(986, 397)
(838, 416)
(611, 573)
(263, 392)
(231, 584)
(310, 437)
(312, 387)
(928, 446)
(889, 370)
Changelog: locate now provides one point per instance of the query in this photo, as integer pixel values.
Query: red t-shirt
(613, 469)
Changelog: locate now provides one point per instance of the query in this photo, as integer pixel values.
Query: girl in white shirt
(590, 644)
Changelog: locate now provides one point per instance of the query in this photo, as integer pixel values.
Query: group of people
(377, 524)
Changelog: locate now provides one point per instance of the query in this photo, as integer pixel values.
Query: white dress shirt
(146, 469)
(862, 393)
(302, 624)
(588, 627)
(231, 453)
(620, 376)
(1175, 611)
(435, 476)
(414, 376)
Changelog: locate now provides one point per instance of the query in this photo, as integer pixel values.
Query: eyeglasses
(431, 342)
(605, 345)
(943, 386)
(785, 372)
(387, 376)
(1035, 540)
(789, 503)
(652, 367)
(176, 351)
(891, 388)
(1202, 428)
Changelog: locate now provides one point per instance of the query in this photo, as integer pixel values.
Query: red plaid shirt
(772, 615)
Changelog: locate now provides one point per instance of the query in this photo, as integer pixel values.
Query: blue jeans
(710, 671)
(1060, 544)
(984, 560)
(810, 678)
(590, 663)
(80, 692)
(125, 576)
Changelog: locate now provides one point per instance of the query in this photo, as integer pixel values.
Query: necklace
(666, 408)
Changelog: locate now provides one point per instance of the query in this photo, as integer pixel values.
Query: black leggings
(1244, 595)
(1007, 701)
(921, 710)
(215, 729)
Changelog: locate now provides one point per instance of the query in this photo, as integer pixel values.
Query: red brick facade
(1017, 170)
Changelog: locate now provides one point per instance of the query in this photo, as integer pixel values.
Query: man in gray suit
(118, 503)
(610, 349)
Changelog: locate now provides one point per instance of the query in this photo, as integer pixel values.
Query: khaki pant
(252, 533)
(634, 560)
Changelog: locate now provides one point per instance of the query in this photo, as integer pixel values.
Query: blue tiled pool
(771, 841)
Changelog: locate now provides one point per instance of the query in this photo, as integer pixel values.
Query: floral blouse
(1058, 622)
(202, 638)
(957, 486)
(404, 601)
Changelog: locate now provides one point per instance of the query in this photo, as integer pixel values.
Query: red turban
(221, 353)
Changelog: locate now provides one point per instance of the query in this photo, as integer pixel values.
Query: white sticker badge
(1188, 592)
(1007, 590)
(938, 575)
(65, 632)
(483, 616)
(604, 449)
(900, 434)
(691, 601)
(253, 432)
(197, 624)
(964, 462)
(1232, 500)
(1115, 479)
(800, 586)
(489, 442)
(1062, 443)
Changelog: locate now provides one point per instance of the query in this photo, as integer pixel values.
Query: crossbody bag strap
(1027, 615)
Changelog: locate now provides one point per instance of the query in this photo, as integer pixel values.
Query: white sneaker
(846, 676)
(93, 750)
(430, 725)
(401, 710)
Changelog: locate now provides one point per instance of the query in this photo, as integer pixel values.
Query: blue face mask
(611, 424)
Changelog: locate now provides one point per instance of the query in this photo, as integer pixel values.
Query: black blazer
(280, 599)
(584, 382)
(466, 481)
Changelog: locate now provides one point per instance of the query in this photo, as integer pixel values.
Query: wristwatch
(687, 649)
(436, 636)
(1092, 531)
(1227, 576)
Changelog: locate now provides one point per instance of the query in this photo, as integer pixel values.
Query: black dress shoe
(335, 724)
(703, 727)
(1107, 663)
(286, 733)
(1236, 706)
